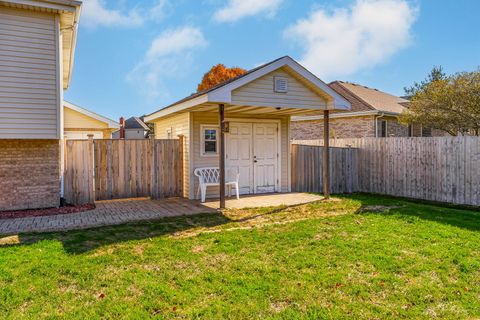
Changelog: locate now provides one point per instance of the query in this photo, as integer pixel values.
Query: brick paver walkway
(130, 210)
(106, 213)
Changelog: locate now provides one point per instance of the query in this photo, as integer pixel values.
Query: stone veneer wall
(29, 174)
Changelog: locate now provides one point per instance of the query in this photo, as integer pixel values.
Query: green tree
(449, 103)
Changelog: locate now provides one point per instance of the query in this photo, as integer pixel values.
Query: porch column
(221, 120)
(326, 154)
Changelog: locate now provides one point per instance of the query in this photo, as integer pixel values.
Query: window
(426, 132)
(209, 142)
(382, 129)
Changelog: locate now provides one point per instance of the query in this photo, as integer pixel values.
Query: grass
(359, 256)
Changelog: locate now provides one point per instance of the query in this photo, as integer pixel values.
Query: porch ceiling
(256, 110)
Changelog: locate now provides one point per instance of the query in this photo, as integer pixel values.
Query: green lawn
(326, 260)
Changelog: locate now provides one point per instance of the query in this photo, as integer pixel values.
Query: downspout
(380, 115)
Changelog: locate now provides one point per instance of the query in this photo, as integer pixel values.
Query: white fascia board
(111, 123)
(346, 115)
(224, 93)
(59, 5)
(177, 108)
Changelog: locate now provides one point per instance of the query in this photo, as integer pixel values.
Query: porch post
(326, 154)
(221, 112)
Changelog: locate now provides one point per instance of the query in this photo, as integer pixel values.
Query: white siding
(178, 125)
(261, 92)
(29, 88)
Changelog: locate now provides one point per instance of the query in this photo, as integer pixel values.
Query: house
(254, 110)
(133, 128)
(374, 114)
(37, 46)
(79, 123)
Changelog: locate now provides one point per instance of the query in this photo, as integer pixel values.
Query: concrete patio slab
(266, 200)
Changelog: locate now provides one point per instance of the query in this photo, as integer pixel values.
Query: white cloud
(237, 9)
(95, 13)
(344, 41)
(160, 9)
(170, 56)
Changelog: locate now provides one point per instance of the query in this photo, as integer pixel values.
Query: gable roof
(363, 98)
(91, 114)
(222, 93)
(135, 123)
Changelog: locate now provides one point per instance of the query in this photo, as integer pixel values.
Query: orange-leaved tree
(218, 74)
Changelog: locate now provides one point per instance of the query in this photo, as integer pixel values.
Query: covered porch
(242, 127)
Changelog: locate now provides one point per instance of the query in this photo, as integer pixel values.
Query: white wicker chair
(210, 176)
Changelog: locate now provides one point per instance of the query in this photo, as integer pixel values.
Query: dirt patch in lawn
(45, 212)
(377, 208)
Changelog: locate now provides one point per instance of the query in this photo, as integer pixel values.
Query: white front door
(251, 150)
(239, 155)
(265, 157)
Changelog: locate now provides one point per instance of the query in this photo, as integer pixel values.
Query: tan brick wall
(355, 127)
(29, 174)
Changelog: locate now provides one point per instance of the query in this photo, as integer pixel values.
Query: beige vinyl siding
(261, 92)
(75, 119)
(179, 125)
(203, 118)
(29, 88)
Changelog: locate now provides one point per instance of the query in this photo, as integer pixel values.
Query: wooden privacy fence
(113, 169)
(307, 169)
(444, 169)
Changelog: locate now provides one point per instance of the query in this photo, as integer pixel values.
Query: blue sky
(134, 57)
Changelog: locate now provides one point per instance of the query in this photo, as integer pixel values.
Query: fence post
(91, 174)
(181, 142)
(154, 169)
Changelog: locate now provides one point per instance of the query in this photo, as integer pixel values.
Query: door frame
(278, 182)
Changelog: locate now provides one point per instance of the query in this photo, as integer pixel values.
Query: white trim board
(91, 114)
(223, 93)
(347, 115)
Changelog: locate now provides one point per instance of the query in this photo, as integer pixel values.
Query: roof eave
(223, 94)
(348, 115)
(111, 123)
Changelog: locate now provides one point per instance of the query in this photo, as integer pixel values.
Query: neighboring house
(37, 45)
(258, 106)
(79, 123)
(374, 114)
(134, 128)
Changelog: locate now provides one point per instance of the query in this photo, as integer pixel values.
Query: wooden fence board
(114, 169)
(307, 166)
(443, 169)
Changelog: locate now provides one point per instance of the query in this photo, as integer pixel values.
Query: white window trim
(204, 127)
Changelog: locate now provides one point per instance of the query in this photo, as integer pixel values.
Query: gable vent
(280, 84)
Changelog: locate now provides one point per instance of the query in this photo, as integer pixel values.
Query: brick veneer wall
(341, 128)
(29, 174)
(395, 129)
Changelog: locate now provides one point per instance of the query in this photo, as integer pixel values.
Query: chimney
(122, 128)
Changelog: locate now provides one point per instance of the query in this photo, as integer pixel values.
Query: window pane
(210, 147)
(210, 134)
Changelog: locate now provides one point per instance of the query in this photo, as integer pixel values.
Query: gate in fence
(114, 169)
